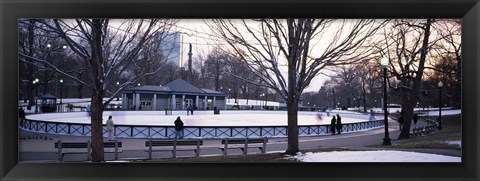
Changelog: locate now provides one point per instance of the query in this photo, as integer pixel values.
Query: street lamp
(228, 95)
(61, 90)
(440, 85)
(118, 83)
(36, 82)
(384, 62)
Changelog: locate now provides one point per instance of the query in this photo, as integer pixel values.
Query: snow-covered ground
(459, 143)
(373, 156)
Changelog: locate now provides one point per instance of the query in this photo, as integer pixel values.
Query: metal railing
(149, 131)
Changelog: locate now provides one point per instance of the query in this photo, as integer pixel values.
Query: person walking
(415, 118)
(110, 128)
(400, 120)
(21, 115)
(191, 110)
(332, 125)
(178, 128)
(372, 116)
(339, 124)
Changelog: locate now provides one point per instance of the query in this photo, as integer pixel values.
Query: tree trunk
(292, 110)
(97, 128)
(409, 100)
(408, 103)
(29, 75)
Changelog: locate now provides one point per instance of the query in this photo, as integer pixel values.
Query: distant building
(171, 44)
(176, 95)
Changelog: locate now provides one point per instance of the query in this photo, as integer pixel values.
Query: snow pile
(373, 156)
(459, 143)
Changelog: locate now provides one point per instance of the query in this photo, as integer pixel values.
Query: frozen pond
(204, 118)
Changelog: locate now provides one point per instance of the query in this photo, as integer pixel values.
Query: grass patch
(452, 131)
(424, 144)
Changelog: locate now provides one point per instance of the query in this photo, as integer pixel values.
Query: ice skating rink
(204, 118)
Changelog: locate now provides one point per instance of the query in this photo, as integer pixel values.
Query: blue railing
(149, 131)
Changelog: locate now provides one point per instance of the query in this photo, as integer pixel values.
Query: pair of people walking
(190, 110)
(336, 124)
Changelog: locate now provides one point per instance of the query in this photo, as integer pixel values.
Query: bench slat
(173, 144)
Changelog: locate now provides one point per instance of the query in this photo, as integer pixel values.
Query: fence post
(246, 146)
(89, 150)
(116, 150)
(174, 148)
(198, 148)
(60, 155)
(264, 144)
(150, 149)
(225, 146)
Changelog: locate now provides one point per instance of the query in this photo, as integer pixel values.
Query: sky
(197, 32)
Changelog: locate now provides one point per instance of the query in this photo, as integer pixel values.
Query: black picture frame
(11, 11)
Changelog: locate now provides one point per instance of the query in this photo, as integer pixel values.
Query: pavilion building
(176, 95)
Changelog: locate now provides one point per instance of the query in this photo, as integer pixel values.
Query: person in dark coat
(21, 115)
(332, 124)
(191, 110)
(400, 122)
(178, 128)
(415, 118)
(339, 124)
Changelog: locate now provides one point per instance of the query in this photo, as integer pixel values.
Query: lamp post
(228, 95)
(36, 82)
(384, 62)
(118, 83)
(440, 85)
(61, 90)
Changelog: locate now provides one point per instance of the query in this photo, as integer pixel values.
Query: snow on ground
(373, 156)
(459, 143)
(445, 112)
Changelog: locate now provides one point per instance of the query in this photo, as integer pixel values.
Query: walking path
(41, 147)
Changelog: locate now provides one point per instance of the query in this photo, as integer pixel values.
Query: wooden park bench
(171, 145)
(243, 144)
(85, 148)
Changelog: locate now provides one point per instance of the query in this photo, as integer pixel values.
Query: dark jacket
(415, 118)
(21, 113)
(178, 124)
(339, 122)
(332, 124)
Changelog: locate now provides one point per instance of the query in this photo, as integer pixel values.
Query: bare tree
(113, 47)
(407, 46)
(286, 53)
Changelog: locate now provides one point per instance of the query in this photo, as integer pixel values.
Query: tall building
(171, 43)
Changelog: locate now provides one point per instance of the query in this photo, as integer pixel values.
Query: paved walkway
(40, 147)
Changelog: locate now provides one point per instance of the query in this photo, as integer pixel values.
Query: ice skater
(372, 116)
(319, 117)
